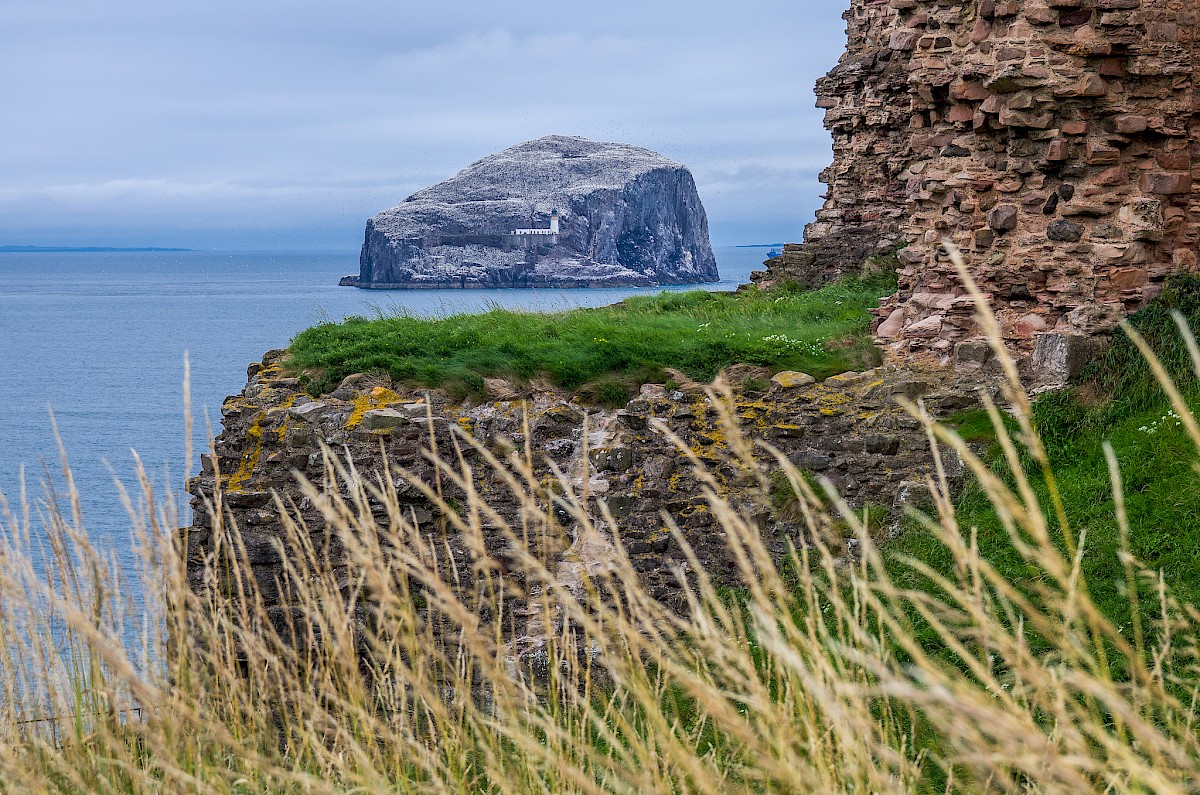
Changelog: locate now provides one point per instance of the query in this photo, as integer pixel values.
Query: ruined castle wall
(847, 428)
(1053, 141)
(867, 112)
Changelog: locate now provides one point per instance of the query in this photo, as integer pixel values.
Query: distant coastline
(78, 249)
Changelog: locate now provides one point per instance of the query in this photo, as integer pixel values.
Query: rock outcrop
(593, 214)
(1053, 141)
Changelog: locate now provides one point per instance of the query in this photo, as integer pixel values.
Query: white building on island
(553, 230)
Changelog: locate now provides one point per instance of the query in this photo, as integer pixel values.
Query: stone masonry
(1053, 141)
(848, 428)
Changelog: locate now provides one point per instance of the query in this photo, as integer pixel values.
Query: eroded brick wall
(1054, 141)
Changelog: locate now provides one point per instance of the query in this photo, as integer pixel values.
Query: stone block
(384, 420)
(790, 379)
(1059, 150)
(1167, 183)
(893, 325)
(881, 444)
(1102, 154)
(310, 412)
(1129, 278)
(928, 328)
(615, 459)
(1063, 231)
(972, 354)
(1130, 123)
(1003, 218)
(1058, 357)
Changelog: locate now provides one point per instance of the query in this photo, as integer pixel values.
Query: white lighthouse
(553, 230)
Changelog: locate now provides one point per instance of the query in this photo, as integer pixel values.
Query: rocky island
(556, 212)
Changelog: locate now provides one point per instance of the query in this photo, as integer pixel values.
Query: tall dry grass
(394, 671)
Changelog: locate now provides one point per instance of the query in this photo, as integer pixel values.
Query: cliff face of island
(555, 212)
(1053, 141)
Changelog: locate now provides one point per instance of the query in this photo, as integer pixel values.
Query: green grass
(1118, 400)
(1162, 499)
(604, 353)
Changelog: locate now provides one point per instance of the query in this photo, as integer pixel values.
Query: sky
(285, 124)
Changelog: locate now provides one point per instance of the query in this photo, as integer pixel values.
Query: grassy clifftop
(611, 349)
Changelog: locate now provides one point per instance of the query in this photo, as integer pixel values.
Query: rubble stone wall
(1053, 141)
(847, 428)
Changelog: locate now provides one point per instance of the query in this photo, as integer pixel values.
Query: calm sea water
(99, 339)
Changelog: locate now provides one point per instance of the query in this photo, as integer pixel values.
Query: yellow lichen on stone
(284, 406)
(708, 438)
(790, 379)
(237, 481)
(378, 398)
(382, 396)
(235, 403)
(749, 413)
(843, 379)
(830, 402)
(362, 404)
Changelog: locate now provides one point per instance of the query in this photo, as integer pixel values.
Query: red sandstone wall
(1054, 141)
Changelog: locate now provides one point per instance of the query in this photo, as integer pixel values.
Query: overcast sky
(287, 123)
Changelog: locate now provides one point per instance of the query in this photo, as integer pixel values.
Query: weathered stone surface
(1061, 356)
(1064, 231)
(848, 428)
(1054, 142)
(629, 216)
(385, 420)
(790, 379)
(1003, 218)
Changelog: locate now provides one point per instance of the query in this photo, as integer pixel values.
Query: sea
(95, 343)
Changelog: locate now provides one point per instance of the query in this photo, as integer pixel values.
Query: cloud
(257, 117)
